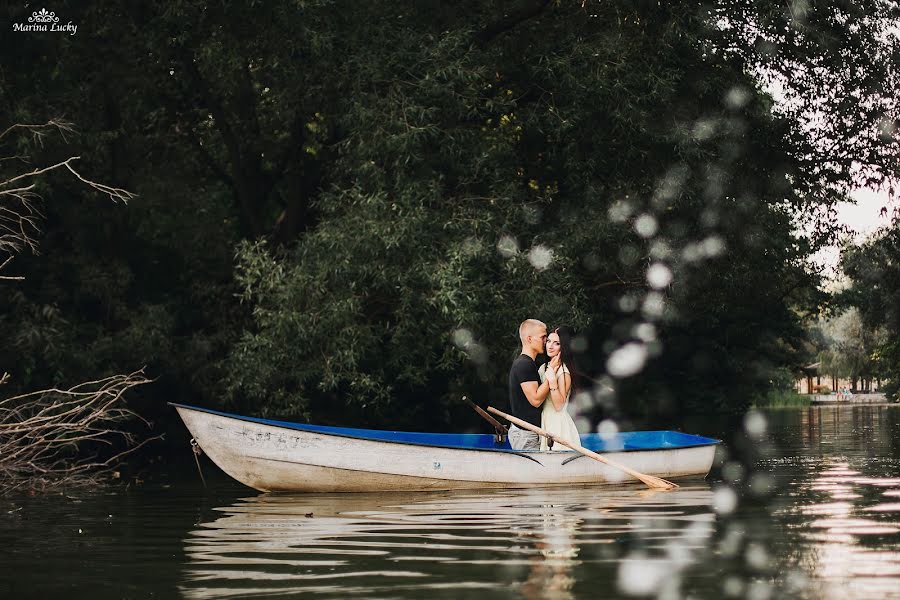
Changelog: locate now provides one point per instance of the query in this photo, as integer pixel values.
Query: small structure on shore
(812, 380)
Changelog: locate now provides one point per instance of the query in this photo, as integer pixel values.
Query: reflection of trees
(540, 543)
(892, 422)
(837, 512)
(840, 531)
(859, 428)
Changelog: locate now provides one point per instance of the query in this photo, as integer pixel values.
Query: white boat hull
(271, 458)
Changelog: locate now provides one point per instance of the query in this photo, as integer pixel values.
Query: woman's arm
(559, 388)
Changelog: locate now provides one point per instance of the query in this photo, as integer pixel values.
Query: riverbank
(860, 398)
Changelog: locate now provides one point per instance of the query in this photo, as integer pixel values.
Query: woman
(555, 417)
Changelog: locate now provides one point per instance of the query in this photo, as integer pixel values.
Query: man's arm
(536, 394)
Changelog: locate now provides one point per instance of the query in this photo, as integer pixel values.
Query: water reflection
(545, 543)
(843, 488)
(864, 427)
(814, 512)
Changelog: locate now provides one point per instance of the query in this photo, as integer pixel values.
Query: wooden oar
(651, 480)
(501, 429)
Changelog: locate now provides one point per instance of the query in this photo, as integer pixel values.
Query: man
(526, 392)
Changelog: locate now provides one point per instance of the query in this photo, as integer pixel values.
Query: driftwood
(67, 437)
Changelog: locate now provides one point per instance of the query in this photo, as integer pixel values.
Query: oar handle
(498, 426)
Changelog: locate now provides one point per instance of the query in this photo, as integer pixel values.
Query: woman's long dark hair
(566, 355)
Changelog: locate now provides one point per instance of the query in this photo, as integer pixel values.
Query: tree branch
(43, 434)
(19, 215)
(39, 131)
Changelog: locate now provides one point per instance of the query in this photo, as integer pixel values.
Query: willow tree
(874, 270)
(852, 350)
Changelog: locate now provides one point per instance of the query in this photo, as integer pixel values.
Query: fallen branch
(54, 437)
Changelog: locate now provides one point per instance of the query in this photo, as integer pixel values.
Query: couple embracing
(541, 395)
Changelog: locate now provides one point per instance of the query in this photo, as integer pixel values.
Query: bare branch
(38, 132)
(113, 193)
(37, 172)
(19, 216)
(45, 435)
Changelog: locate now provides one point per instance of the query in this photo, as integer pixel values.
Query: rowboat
(273, 456)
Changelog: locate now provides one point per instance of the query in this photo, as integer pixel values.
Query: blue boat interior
(619, 442)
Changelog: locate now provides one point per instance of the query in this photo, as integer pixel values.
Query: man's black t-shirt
(523, 369)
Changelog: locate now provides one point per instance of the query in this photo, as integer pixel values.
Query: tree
(852, 349)
(51, 437)
(874, 270)
(404, 184)
(635, 149)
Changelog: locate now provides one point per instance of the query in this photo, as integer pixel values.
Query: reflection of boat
(446, 544)
(281, 456)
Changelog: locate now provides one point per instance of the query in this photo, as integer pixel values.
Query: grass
(782, 399)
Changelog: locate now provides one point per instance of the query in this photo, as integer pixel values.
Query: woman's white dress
(558, 422)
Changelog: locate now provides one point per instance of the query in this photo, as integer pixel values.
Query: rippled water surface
(804, 503)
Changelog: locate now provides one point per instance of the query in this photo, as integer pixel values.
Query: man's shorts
(522, 439)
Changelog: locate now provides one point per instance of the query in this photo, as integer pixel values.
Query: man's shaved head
(529, 326)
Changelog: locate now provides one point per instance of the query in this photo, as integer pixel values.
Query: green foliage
(891, 390)
(852, 350)
(781, 392)
(402, 280)
(782, 399)
(874, 270)
(346, 209)
(470, 158)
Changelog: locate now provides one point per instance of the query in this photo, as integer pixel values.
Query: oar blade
(658, 482)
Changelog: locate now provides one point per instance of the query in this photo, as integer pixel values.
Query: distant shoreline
(867, 398)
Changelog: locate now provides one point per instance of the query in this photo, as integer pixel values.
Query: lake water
(803, 503)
